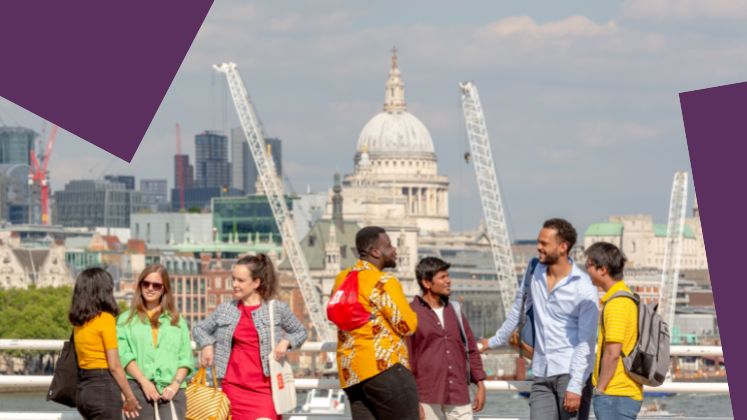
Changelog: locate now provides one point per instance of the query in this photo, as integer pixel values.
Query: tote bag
(281, 375)
(64, 386)
(205, 402)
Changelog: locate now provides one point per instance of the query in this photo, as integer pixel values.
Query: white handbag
(281, 375)
(173, 410)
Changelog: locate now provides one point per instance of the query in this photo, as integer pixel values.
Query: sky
(580, 98)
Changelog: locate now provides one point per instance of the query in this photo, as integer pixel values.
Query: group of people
(420, 360)
(136, 362)
(407, 360)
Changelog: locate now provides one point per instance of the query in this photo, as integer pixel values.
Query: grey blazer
(218, 328)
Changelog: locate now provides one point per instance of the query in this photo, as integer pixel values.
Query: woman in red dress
(236, 337)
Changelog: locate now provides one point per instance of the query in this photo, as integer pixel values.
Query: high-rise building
(127, 180)
(211, 160)
(16, 143)
(96, 203)
(243, 168)
(155, 194)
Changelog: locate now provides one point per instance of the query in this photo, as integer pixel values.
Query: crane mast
(673, 249)
(490, 195)
(274, 191)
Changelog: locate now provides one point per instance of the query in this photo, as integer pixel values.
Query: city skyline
(580, 100)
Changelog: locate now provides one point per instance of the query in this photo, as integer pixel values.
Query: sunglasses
(145, 284)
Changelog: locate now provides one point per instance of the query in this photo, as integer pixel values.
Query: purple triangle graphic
(716, 128)
(97, 69)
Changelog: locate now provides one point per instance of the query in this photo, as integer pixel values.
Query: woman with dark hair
(102, 379)
(154, 345)
(236, 337)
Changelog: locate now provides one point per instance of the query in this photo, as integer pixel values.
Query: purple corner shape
(97, 69)
(716, 127)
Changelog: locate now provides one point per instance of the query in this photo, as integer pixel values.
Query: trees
(39, 313)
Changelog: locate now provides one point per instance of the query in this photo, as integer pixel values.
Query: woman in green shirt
(154, 345)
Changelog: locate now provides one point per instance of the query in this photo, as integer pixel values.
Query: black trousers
(392, 394)
(99, 397)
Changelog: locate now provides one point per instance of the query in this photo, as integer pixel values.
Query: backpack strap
(632, 296)
(526, 291)
(456, 307)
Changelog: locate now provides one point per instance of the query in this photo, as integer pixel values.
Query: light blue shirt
(565, 323)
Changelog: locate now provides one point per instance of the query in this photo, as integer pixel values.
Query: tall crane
(274, 190)
(490, 195)
(673, 249)
(38, 174)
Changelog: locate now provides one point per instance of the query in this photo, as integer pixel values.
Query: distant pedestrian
(372, 357)
(616, 394)
(443, 350)
(102, 379)
(565, 322)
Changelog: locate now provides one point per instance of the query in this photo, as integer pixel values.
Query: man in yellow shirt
(616, 394)
(372, 357)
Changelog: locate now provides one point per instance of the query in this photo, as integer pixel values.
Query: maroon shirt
(438, 359)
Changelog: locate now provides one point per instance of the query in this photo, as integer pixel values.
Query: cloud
(607, 133)
(678, 10)
(570, 27)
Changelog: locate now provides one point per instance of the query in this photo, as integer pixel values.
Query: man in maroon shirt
(443, 352)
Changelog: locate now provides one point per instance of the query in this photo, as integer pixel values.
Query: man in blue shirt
(565, 308)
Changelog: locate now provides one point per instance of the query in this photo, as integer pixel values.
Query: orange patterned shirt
(380, 343)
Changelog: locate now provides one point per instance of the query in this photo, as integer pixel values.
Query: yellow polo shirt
(620, 326)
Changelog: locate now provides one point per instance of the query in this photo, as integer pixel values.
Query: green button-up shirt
(158, 363)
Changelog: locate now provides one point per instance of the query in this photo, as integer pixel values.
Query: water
(498, 404)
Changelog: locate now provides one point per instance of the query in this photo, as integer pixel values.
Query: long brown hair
(167, 304)
(260, 266)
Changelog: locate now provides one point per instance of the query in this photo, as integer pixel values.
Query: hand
(482, 345)
(572, 402)
(479, 403)
(206, 356)
(422, 412)
(281, 349)
(131, 407)
(149, 390)
(169, 392)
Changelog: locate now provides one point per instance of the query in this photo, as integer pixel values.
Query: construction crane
(38, 174)
(490, 195)
(179, 167)
(274, 190)
(673, 249)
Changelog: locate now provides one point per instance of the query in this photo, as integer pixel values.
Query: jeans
(392, 394)
(611, 407)
(99, 397)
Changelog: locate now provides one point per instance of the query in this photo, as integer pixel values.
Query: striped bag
(205, 402)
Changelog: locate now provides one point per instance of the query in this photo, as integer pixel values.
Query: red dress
(245, 383)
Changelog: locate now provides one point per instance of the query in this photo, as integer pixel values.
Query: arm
(149, 389)
(185, 362)
(204, 335)
(128, 356)
(393, 305)
(131, 405)
(512, 320)
(170, 391)
(609, 360)
(477, 374)
(581, 366)
(295, 332)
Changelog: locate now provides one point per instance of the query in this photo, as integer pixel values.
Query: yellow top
(379, 344)
(93, 339)
(620, 326)
(153, 330)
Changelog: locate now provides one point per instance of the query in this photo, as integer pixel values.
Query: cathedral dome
(395, 131)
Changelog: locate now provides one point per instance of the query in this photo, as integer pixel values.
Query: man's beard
(390, 263)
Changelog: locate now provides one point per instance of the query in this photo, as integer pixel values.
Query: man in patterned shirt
(372, 359)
